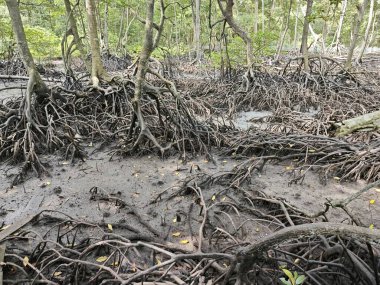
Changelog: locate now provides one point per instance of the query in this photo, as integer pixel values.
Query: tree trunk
(73, 30)
(285, 30)
(356, 30)
(105, 28)
(197, 29)
(296, 26)
(228, 15)
(35, 80)
(367, 32)
(340, 25)
(97, 70)
(256, 17)
(305, 34)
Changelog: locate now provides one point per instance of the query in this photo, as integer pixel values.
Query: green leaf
(289, 275)
(300, 279)
(284, 281)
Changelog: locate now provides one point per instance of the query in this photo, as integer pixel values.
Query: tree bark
(35, 80)
(73, 30)
(228, 15)
(305, 34)
(197, 29)
(105, 28)
(296, 26)
(256, 17)
(356, 30)
(367, 31)
(366, 121)
(97, 70)
(340, 25)
(285, 30)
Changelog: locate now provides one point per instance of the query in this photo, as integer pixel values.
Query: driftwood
(369, 121)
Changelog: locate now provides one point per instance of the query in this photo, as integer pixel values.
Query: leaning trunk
(36, 83)
(228, 15)
(356, 29)
(367, 32)
(73, 30)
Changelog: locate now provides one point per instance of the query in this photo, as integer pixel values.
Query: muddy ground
(140, 180)
(182, 206)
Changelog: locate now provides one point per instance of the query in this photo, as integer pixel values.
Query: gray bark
(356, 30)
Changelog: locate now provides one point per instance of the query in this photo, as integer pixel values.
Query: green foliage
(293, 278)
(6, 40)
(42, 43)
(264, 44)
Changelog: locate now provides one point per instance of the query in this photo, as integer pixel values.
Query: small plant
(293, 278)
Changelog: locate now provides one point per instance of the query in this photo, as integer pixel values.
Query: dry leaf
(25, 261)
(184, 241)
(213, 197)
(337, 178)
(102, 258)
(158, 261)
(289, 168)
(110, 227)
(175, 220)
(371, 226)
(57, 273)
(177, 234)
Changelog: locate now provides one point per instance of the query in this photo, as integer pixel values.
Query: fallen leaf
(25, 261)
(57, 273)
(110, 227)
(224, 199)
(184, 241)
(213, 197)
(372, 201)
(102, 258)
(311, 150)
(337, 178)
(289, 168)
(177, 234)
(115, 263)
(377, 189)
(175, 220)
(371, 226)
(158, 261)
